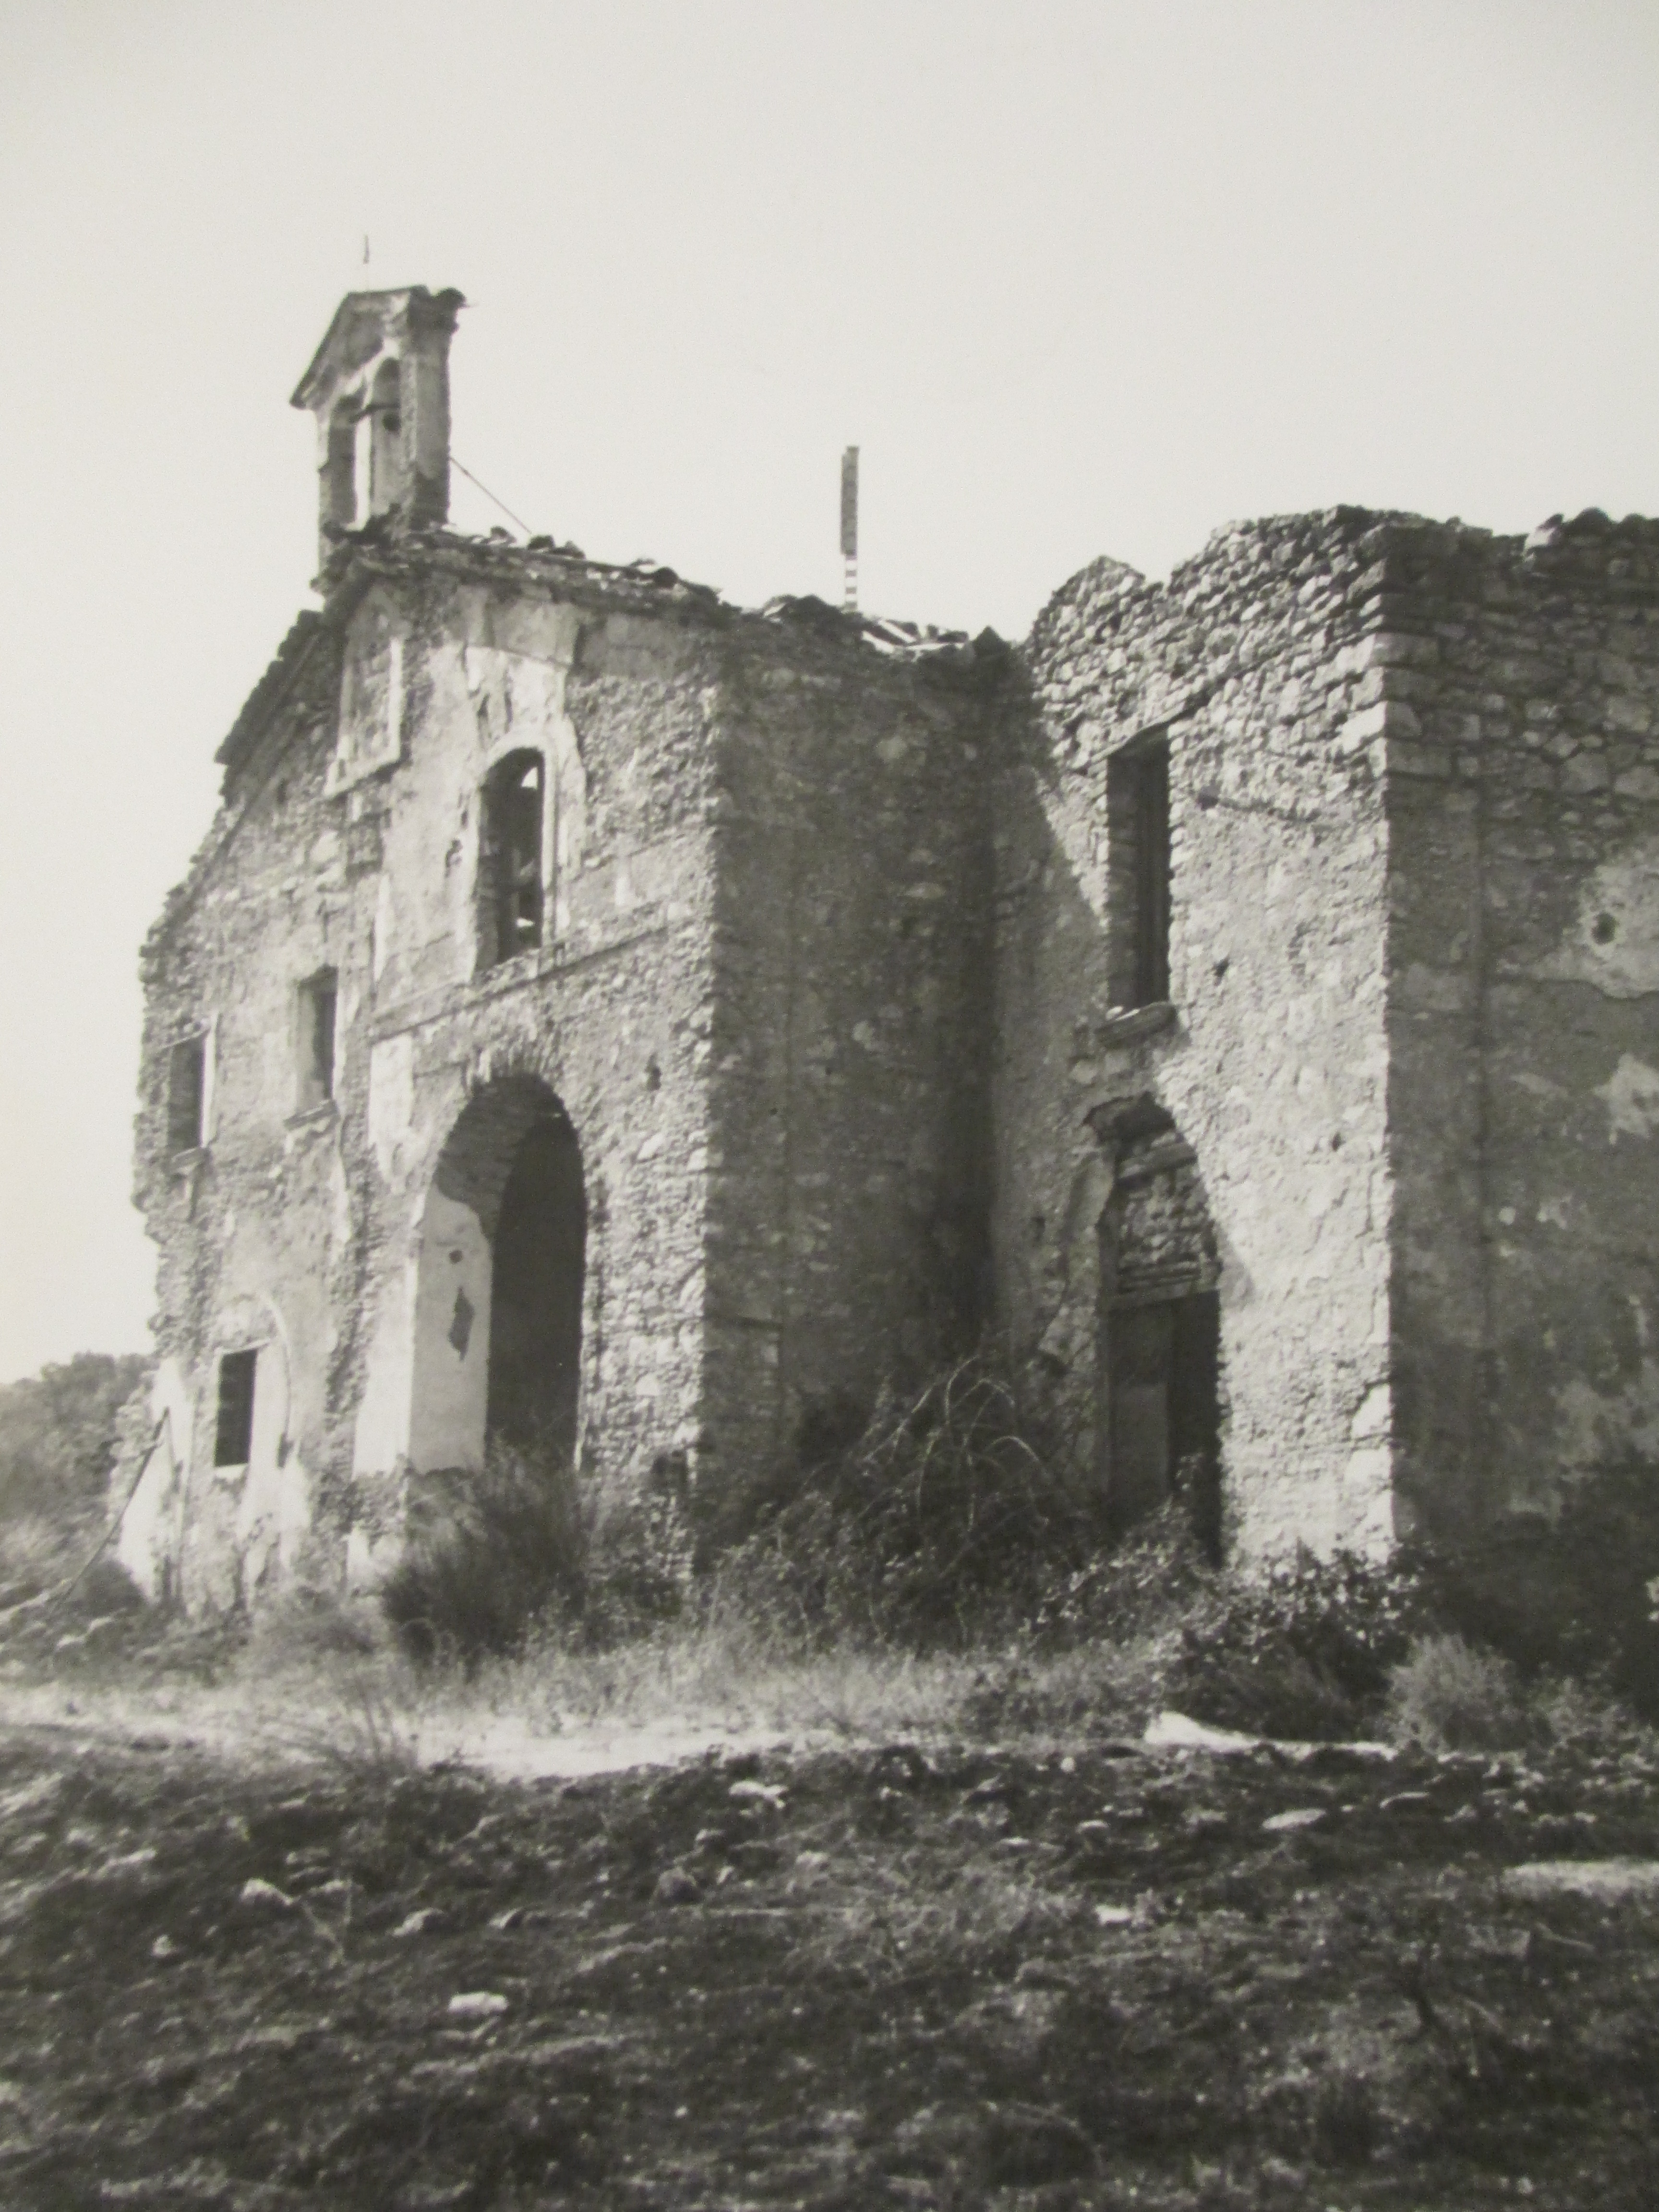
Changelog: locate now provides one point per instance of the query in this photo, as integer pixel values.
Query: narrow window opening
(362, 467)
(317, 1001)
(385, 447)
(186, 1091)
(233, 1434)
(340, 500)
(1152, 877)
(1137, 823)
(512, 854)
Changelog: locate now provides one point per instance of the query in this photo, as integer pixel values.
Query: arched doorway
(1157, 1378)
(498, 1308)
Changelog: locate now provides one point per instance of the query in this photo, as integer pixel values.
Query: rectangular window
(1138, 836)
(319, 999)
(186, 1093)
(233, 1435)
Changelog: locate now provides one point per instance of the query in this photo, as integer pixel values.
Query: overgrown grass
(926, 1569)
(922, 1571)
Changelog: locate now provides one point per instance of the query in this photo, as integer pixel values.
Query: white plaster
(369, 1558)
(384, 933)
(1374, 1417)
(392, 1103)
(381, 1439)
(449, 1365)
(273, 1513)
(371, 695)
(150, 1539)
(1631, 1095)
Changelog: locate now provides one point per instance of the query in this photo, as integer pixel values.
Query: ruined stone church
(629, 1023)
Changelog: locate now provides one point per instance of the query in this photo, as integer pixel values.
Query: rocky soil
(910, 1976)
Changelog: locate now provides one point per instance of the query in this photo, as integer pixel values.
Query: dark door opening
(536, 1294)
(1164, 1411)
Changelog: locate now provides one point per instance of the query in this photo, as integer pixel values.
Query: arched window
(513, 898)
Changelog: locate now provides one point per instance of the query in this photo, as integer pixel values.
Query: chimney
(379, 388)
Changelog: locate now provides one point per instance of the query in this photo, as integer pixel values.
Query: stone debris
(428, 1920)
(1173, 1731)
(477, 2004)
(769, 1793)
(260, 1896)
(1605, 1881)
(674, 1885)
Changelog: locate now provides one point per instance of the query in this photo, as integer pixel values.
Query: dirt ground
(911, 1975)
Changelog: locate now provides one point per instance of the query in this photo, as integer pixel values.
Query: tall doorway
(535, 1293)
(1164, 1421)
(498, 1307)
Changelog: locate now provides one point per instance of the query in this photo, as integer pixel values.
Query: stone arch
(1158, 1373)
(499, 1280)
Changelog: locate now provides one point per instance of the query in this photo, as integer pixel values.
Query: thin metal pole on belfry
(849, 529)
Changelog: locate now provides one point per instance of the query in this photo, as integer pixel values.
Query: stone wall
(349, 840)
(1516, 709)
(851, 1026)
(1269, 1063)
(841, 990)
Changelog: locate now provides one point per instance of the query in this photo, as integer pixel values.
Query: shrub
(490, 1553)
(1577, 1596)
(1449, 1695)
(486, 1551)
(1306, 1650)
(940, 1523)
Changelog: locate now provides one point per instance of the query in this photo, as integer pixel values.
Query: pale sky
(1076, 278)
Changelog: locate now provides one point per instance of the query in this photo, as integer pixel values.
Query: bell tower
(379, 388)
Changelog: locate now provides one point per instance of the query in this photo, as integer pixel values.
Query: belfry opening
(499, 1310)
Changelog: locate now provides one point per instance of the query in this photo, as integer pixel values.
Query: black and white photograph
(829, 1276)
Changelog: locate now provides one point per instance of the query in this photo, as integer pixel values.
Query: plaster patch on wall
(1631, 1095)
(385, 934)
(1614, 941)
(151, 1536)
(380, 1440)
(391, 1102)
(371, 695)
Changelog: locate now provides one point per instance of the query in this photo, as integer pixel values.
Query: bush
(1579, 1595)
(490, 1554)
(1448, 1695)
(1307, 1650)
(939, 1523)
(485, 1553)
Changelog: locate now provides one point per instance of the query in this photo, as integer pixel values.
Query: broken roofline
(376, 551)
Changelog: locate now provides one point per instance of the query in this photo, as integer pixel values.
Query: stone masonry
(613, 1019)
